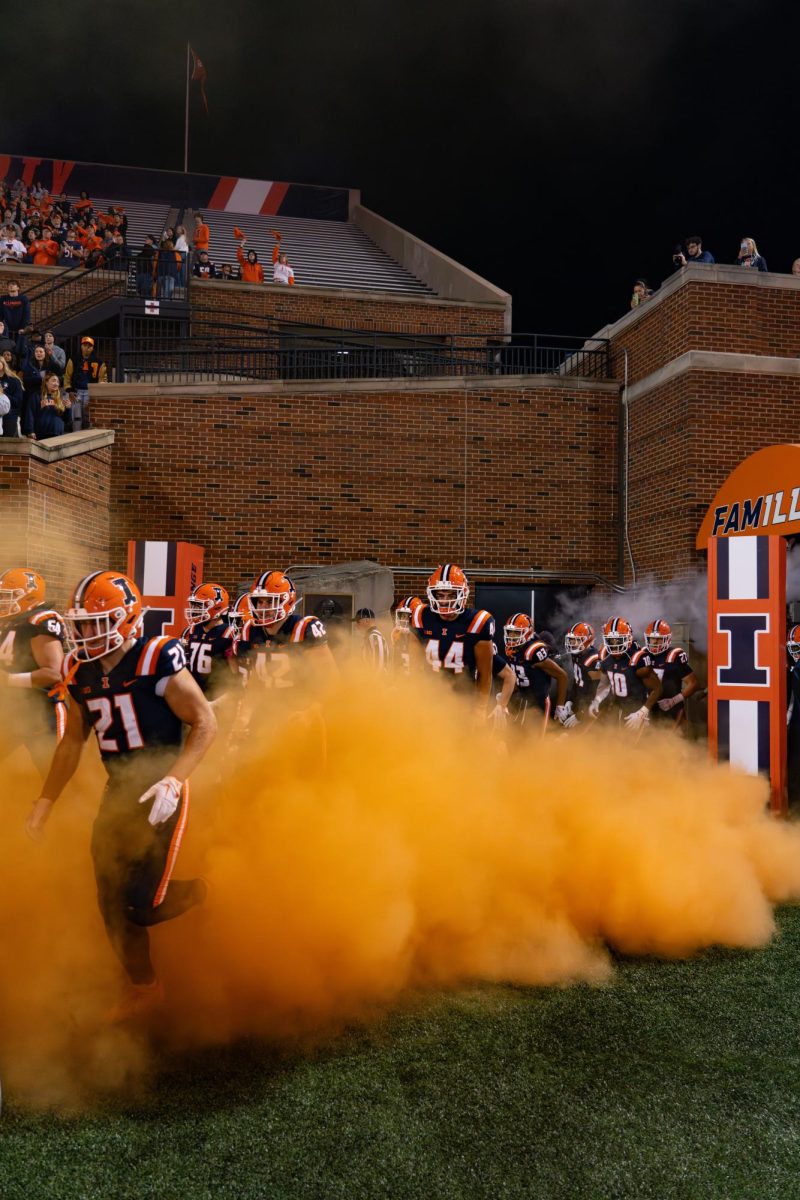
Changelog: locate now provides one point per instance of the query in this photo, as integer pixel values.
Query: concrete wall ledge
(55, 449)
(714, 360)
(386, 297)
(344, 387)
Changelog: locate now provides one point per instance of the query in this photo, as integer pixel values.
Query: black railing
(295, 356)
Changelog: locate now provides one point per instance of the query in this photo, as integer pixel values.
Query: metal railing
(256, 356)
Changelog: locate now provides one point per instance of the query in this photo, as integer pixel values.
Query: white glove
(566, 716)
(594, 709)
(637, 720)
(670, 702)
(498, 714)
(166, 796)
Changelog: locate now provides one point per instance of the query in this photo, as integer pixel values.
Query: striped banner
(746, 657)
(165, 573)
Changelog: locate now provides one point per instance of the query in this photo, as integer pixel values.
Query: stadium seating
(331, 254)
(142, 218)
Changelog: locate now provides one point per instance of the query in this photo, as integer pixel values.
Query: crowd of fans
(691, 251)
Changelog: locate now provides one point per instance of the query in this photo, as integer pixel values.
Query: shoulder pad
(481, 621)
(591, 660)
(603, 654)
(676, 652)
(532, 650)
(48, 621)
(152, 655)
(637, 654)
(309, 627)
(416, 617)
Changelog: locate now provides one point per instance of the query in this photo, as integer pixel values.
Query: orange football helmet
(793, 643)
(405, 611)
(579, 637)
(448, 590)
(206, 602)
(20, 590)
(617, 635)
(517, 630)
(273, 597)
(105, 610)
(658, 636)
(239, 615)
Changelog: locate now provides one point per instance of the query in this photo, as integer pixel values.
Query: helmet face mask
(20, 590)
(93, 635)
(793, 643)
(617, 636)
(579, 637)
(517, 631)
(9, 602)
(105, 611)
(206, 603)
(402, 619)
(272, 598)
(239, 615)
(448, 591)
(658, 637)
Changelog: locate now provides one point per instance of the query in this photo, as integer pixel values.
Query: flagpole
(186, 121)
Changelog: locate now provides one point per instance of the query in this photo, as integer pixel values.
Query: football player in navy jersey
(628, 676)
(671, 665)
(503, 674)
(535, 671)
(793, 714)
(137, 696)
(208, 642)
(400, 637)
(579, 643)
(295, 649)
(458, 641)
(31, 654)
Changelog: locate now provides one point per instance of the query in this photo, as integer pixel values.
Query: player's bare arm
(48, 654)
(557, 672)
(484, 656)
(188, 703)
(689, 685)
(63, 767)
(653, 684)
(509, 683)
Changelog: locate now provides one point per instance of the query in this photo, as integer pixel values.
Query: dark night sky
(558, 147)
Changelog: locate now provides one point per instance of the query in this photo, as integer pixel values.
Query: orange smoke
(379, 846)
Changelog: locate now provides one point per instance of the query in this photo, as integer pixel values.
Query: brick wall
(685, 439)
(347, 309)
(726, 310)
(55, 515)
(492, 475)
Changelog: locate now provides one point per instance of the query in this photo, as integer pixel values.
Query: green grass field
(677, 1080)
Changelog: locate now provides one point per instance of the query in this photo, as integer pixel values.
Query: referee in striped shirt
(374, 650)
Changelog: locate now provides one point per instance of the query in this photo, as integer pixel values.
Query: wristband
(23, 680)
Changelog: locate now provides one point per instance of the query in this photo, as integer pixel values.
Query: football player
(579, 643)
(628, 676)
(535, 671)
(208, 642)
(793, 714)
(457, 641)
(137, 695)
(671, 665)
(401, 633)
(503, 673)
(31, 654)
(273, 599)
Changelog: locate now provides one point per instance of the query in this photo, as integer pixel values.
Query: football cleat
(205, 603)
(617, 635)
(517, 630)
(105, 610)
(273, 597)
(20, 590)
(448, 590)
(658, 636)
(579, 637)
(793, 643)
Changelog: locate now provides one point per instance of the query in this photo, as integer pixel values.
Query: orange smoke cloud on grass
(375, 848)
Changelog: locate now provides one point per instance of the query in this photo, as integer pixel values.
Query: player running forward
(137, 695)
(628, 676)
(671, 665)
(793, 715)
(31, 654)
(579, 643)
(296, 648)
(458, 641)
(535, 671)
(208, 642)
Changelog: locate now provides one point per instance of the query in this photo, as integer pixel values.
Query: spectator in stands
(168, 269)
(116, 253)
(201, 237)
(182, 247)
(641, 292)
(11, 248)
(282, 272)
(6, 342)
(694, 253)
(749, 256)
(252, 271)
(16, 309)
(44, 251)
(51, 415)
(55, 353)
(12, 389)
(204, 268)
(34, 369)
(83, 206)
(796, 267)
(145, 268)
(227, 272)
(79, 375)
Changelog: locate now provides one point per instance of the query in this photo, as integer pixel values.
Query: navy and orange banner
(165, 573)
(228, 193)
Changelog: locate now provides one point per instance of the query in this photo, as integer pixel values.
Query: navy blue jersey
(126, 707)
(628, 691)
(671, 666)
(793, 686)
(450, 645)
(268, 656)
(16, 635)
(499, 664)
(533, 684)
(208, 652)
(583, 686)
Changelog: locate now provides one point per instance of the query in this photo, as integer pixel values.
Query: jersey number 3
(124, 706)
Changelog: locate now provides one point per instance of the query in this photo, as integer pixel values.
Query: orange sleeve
(241, 256)
(276, 252)
(260, 273)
